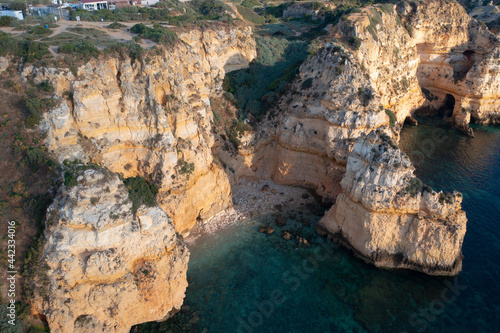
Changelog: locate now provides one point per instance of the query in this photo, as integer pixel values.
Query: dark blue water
(243, 281)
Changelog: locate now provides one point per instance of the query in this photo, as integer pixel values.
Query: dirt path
(120, 35)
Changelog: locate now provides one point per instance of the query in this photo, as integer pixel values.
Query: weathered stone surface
(430, 44)
(152, 117)
(109, 270)
(390, 218)
(308, 140)
(4, 64)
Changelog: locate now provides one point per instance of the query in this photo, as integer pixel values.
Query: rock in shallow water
(266, 230)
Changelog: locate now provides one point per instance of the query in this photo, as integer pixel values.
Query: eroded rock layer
(434, 45)
(152, 117)
(306, 140)
(390, 218)
(108, 269)
(333, 132)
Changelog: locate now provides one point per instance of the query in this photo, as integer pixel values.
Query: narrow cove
(241, 280)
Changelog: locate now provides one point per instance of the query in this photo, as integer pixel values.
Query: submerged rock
(280, 221)
(266, 230)
(301, 241)
(286, 235)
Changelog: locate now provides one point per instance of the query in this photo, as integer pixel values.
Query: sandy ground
(251, 199)
(120, 35)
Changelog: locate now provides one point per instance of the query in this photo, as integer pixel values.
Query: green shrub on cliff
(141, 192)
(26, 49)
(35, 107)
(354, 42)
(392, 117)
(251, 16)
(415, 187)
(157, 33)
(257, 87)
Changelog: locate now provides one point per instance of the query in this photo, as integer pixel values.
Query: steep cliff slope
(108, 269)
(434, 45)
(333, 132)
(390, 218)
(306, 139)
(151, 117)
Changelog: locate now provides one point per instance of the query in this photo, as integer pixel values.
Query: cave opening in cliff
(446, 109)
(461, 68)
(473, 120)
(43, 319)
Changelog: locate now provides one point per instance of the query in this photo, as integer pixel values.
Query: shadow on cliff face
(257, 88)
(443, 90)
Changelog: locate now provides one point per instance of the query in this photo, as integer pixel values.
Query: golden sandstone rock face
(329, 132)
(332, 126)
(108, 269)
(432, 44)
(152, 117)
(390, 218)
(307, 139)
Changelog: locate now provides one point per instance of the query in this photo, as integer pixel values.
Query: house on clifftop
(93, 4)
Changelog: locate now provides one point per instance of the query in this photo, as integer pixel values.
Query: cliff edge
(107, 268)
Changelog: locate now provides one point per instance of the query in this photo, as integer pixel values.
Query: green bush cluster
(26, 49)
(277, 63)
(7, 21)
(415, 187)
(133, 51)
(35, 107)
(354, 42)
(116, 25)
(141, 192)
(40, 30)
(46, 86)
(73, 171)
(185, 167)
(307, 83)
(210, 9)
(166, 11)
(84, 50)
(392, 117)
(35, 157)
(34, 269)
(157, 33)
(250, 15)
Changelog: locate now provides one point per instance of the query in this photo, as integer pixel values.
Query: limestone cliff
(151, 117)
(433, 45)
(306, 140)
(390, 218)
(108, 269)
(333, 132)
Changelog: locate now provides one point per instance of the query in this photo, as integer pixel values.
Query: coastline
(254, 199)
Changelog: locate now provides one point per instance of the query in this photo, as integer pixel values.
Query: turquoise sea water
(243, 281)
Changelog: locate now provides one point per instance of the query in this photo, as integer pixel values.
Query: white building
(148, 2)
(93, 4)
(13, 13)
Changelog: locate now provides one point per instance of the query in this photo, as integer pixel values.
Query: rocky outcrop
(4, 64)
(388, 217)
(301, 10)
(306, 140)
(151, 117)
(333, 132)
(433, 45)
(108, 269)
